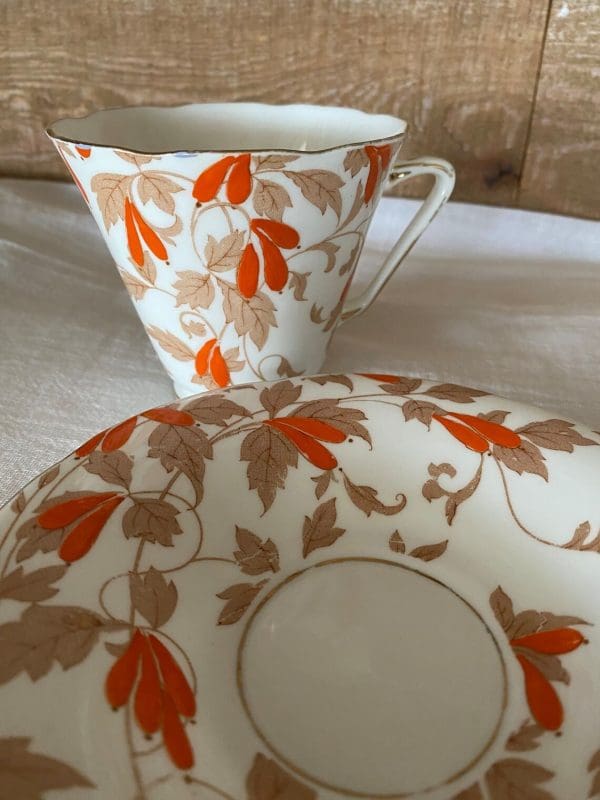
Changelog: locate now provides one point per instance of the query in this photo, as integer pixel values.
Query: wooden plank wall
(508, 90)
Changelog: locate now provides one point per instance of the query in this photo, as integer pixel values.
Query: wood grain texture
(463, 73)
(562, 164)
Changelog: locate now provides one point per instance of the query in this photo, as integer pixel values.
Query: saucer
(339, 586)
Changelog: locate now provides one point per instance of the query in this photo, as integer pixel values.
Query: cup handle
(443, 173)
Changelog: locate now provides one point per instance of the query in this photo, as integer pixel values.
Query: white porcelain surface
(318, 588)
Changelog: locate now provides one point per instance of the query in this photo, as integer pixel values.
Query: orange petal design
(373, 172)
(152, 240)
(276, 269)
(91, 444)
(544, 703)
(202, 356)
(133, 240)
(557, 642)
(116, 437)
(385, 153)
(381, 377)
(65, 513)
(493, 432)
(84, 152)
(247, 272)
(239, 183)
(122, 675)
(173, 678)
(170, 416)
(316, 428)
(148, 696)
(208, 182)
(313, 451)
(84, 534)
(174, 736)
(278, 232)
(218, 368)
(465, 435)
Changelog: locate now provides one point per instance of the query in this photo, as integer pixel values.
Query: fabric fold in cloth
(504, 300)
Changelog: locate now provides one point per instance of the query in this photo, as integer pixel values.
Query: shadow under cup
(236, 228)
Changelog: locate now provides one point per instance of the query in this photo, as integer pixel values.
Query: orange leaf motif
(544, 703)
(218, 368)
(239, 183)
(133, 239)
(208, 182)
(175, 681)
(493, 432)
(123, 673)
(153, 242)
(466, 436)
(311, 449)
(65, 513)
(202, 356)
(556, 642)
(174, 735)
(91, 444)
(247, 274)
(278, 232)
(170, 416)
(148, 696)
(84, 534)
(317, 428)
(116, 437)
(276, 268)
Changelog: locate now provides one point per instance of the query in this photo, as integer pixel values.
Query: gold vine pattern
(151, 678)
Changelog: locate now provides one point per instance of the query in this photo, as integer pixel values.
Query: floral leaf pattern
(270, 199)
(224, 255)
(319, 530)
(268, 781)
(269, 454)
(114, 467)
(28, 775)
(319, 187)
(255, 556)
(31, 587)
(194, 289)
(239, 598)
(153, 596)
(365, 498)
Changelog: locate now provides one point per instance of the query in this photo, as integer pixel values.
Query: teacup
(237, 227)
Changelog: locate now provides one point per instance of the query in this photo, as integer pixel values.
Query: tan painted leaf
(320, 187)
(239, 598)
(194, 289)
(183, 448)
(429, 552)
(339, 416)
(193, 328)
(157, 187)
(494, 416)
(594, 762)
(526, 738)
(253, 316)
(517, 779)
(298, 282)
(270, 199)
(268, 781)
(285, 369)
(502, 606)
(595, 787)
(44, 634)
(147, 269)
(396, 543)
(551, 622)
(555, 434)
(255, 556)
(365, 498)
(153, 520)
(19, 503)
(48, 476)
(232, 359)
(432, 490)
(357, 206)
(582, 531)
(269, 454)
(273, 162)
(171, 344)
(27, 775)
(319, 530)
(524, 458)
(134, 158)
(153, 596)
(330, 249)
(402, 386)
(355, 160)
(215, 409)
(420, 410)
(334, 315)
(316, 314)
(31, 587)
(471, 793)
(351, 260)
(136, 288)
(224, 254)
(111, 191)
(342, 380)
(112, 467)
(549, 665)
(278, 396)
(116, 650)
(435, 470)
(455, 393)
(322, 483)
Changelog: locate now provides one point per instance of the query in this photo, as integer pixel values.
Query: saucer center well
(370, 678)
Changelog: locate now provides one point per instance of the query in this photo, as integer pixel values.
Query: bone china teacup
(237, 227)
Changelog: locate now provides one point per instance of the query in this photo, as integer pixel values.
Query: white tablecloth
(505, 300)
